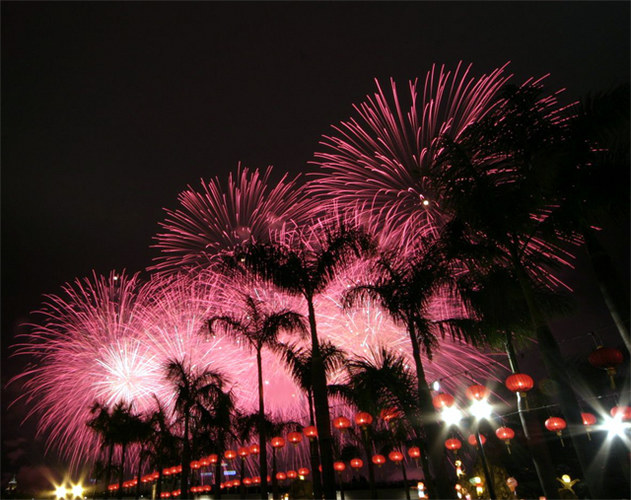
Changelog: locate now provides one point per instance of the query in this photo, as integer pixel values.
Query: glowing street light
(61, 492)
(77, 491)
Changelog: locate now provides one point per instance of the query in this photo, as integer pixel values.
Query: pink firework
(379, 161)
(87, 348)
(250, 208)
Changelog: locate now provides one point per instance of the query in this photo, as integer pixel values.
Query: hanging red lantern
(204, 462)
(230, 454)
(556, 424)
(281, 476)
(388, 414)
(173, 470)
(453, 444)
(213, 459)
(339, 466)
(166, 472)
(341, 423)
(236, 482)
(243, 452)
(303, 471)
(414, 452)
(607, 358)
(473, 441)
(195, 464)
(207, 488)
(292, 474)
(378, 460)
(395, 456)
(357, 463)
(256, 480)
(178, 469)
(277, 442)
(193, 489)
(477, 392)
(621, 412)
(443, 400)
(310, 431)
(254, 449)
(519, 382)
(247, 481)
(294, 438)
(505, 434)
(363, 419)
(588, 419)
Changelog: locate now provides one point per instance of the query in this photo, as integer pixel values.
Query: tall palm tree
(298, 360)
(592, 184)
(406, 287)
(258, 329)
(305, 269)
(194, 389)
(101, 424)
(376, 385)
(494, 180)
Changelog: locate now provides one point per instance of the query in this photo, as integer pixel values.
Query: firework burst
(379, 162)
(215, 219)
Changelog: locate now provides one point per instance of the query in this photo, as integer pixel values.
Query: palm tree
(382, 384)
(101, 424)
(592, 184)
(163, 447)
(503, 217)
(405, 288)
(194, 390)
(258, 329)
(305, 269)
(298, 360)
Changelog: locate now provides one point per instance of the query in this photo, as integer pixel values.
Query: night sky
(109, 110)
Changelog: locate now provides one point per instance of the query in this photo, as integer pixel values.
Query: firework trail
(215, 219)
(379, 163)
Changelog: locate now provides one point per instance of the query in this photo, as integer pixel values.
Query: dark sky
(110, 109)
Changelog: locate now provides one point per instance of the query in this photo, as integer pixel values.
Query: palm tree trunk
(159, 482)
(261, 428)
(186, 457)
(321, 403)
(532, 432)
(405, 480)
(313, 449)
(430, 424)
(217, 486)
(614, 294)
(139, 473)
(108, 473)
(553, 361)
(275, 495)
(371, 467)
(121, 471)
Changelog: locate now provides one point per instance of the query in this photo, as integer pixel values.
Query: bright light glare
(451, 415)
(60, 492)
(480, 409)
(436, 385)
(77, 490)
(615, 427)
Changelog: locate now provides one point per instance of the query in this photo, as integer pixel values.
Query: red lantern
(395, 456)
(588, 419)
(310, 431)
(388, 414)
(166, 472)
(341, 423)
(363, 419)
(505, 434)
(519, 382)
(256, 480)
(339, 466)
(236, 482)
(378, 460)
(357, 463)
(178, 469)
(473, 441)
(303, 471)
(213, 459)
(607, 358)
(173, 470)
(477, 392)
(278, 442)
(294, 438)
(443, 400)
(254, 449)
(555, 424)
(453, 444)
(292, 474)
(281, 476)
(621, 412)
(204, 462)
(195, 464)
(247, 481)
(230, 454)
(243, 452)
(414, 452)
(207, 487)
